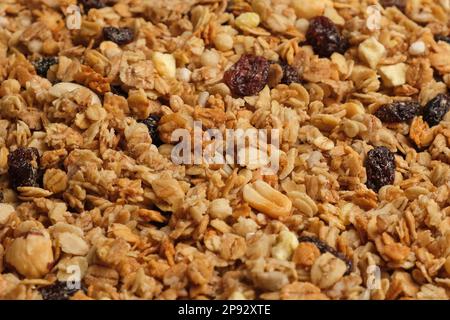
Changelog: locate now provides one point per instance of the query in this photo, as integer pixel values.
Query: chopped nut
(165, 64)
(220, 209)
(31, 255)
(308, 9)
(285, 246)
(263, 197)
(248, 20)
(371, 52)
(394, 75)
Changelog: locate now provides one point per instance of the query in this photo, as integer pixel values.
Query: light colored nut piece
(261, 196)
(220, 208)
(417, 48)
(236, 295)
(308, 9)
(63, 87)
(31, 255)
(303, 203)
(165, 64)
(223, 41)
(184, 74)
(55, 180)
(327, 270)
(210, 58)
(286, 243)
(73, 244)
(394, 75)
(5, 212)
(332, 14)
(305, 254)
(245, 226)
(248, 20)
(371, 52)
(270, 281)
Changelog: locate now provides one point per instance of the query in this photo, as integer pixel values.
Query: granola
(96, 93)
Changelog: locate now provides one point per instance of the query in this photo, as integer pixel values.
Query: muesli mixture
(93, 207)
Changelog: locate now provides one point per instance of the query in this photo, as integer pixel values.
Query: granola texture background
(111, 202)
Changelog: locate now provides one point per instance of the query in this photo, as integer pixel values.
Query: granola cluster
(91, 92)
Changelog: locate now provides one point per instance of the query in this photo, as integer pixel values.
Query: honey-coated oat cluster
(91, 92)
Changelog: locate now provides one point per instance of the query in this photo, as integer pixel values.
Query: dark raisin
(380, 168)
(120, 36)
(23, 167)
(441, 37)
(436, 109)
(42, 65)
(400, 4)
(248, 76)
(323, 247)
(325, 38)
(93, 4)
(290, 75)
(152, 125)
(1, 196)
(59, 291)
(398, 111)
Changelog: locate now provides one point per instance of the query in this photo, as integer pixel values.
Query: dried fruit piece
(324, 36)
(42, 65)
(93, 4)
(441, 37)
(59, 291)
(120, 36)
(380, 168)
(436, 109)
(152, 125)
(398, 111)
(23, 167)
(290, 75)
(400, 4)
(323, 247)
(248, 76)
